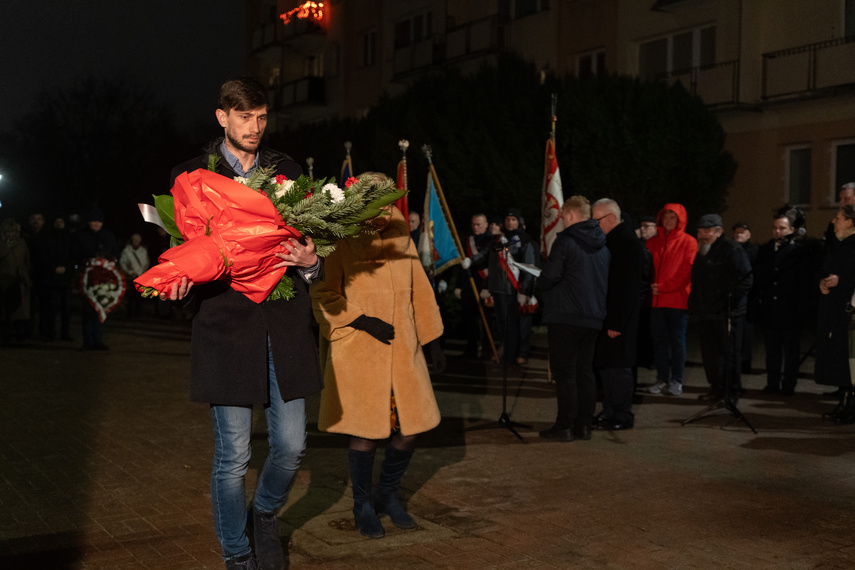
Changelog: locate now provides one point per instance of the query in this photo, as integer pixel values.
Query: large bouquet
(232, 229)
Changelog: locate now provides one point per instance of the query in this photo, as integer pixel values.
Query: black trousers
(782, 343)
(571, 358)
(722, 359)
(618, 389)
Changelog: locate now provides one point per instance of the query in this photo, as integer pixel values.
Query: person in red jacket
(673, 254)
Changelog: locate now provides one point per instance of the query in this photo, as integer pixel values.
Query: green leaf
(165, 205)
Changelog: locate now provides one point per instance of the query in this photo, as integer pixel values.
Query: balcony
(475, 38)
(811, 70)
(303, 36)
(306, 90)
(716, 84)
(419, 55)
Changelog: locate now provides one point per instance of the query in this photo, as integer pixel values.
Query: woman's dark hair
(242, 94)
(849, 213)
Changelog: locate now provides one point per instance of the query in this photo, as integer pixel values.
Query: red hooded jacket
(673, 255)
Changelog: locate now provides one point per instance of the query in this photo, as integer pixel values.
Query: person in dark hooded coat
(575, 279)
(616, 346)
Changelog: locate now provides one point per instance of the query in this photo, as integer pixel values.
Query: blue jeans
(668, 329)
(286, 426)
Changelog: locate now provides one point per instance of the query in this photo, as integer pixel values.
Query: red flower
(350, 181)
(308, 195)
(280, 178)
(231, 232)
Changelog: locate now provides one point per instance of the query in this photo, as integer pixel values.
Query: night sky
(181, 49)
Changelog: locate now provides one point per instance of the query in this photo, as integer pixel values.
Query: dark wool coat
(832, 342)
(228, 347)
(724, 272)
(575, 277)
(627, 287)
(783, 281)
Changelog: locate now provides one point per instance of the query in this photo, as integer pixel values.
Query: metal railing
(715, 84)
(809, 69)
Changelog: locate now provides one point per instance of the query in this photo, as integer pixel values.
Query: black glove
(378, 328)
(435, 357)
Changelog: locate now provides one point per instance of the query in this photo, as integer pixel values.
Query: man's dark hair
(242, 94)
(848, 212)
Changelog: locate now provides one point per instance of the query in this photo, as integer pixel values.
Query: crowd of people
(617, 295)
(40, 275)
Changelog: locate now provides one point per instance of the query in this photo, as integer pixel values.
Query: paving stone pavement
(105, 464)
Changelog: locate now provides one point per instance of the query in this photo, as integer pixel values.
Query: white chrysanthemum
(242, 180)
(281, 189)
(336, 193)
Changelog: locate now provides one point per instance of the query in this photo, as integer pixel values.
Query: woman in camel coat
(376, 309)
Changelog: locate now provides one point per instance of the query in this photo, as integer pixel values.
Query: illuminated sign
(307, 10)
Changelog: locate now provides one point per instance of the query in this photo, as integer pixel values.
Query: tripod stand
(504, 420)
(726, 401)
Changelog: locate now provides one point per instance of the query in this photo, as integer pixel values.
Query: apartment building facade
(780, 74)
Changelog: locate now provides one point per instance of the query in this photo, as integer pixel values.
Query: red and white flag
(551, 202)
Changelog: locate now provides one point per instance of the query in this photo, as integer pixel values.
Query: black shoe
(769, 389)
(583, 433)
(615, 426)
(788, 392)
(557, 434)
(597, 420)
(247, 562)
(268, 545)
(711, 396)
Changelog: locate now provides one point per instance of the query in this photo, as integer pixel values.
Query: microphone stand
(726, 401)
(504, 420)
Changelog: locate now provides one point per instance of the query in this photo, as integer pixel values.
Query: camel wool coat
(379, 276)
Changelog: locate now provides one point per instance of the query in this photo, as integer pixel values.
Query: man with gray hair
(616, 345)
(721, 279)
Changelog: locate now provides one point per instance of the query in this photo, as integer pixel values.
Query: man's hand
(179, 290)
(654, 288)
(831, 281)
(613, 334)
(522, 300)
(296, 254)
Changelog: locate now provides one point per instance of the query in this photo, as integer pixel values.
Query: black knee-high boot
(361, 468)
(386, 495)
(834, 414)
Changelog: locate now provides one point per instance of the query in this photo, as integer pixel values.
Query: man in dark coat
(616, 345)
(782, 282)
(244, 353)
(480, 240)
(575, 279)
(91, 242)
(721, 279)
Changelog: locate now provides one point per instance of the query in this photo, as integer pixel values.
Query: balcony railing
(306, 90)
(419, 55)
(810, 69)
(716, 84)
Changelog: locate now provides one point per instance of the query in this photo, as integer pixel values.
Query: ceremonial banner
(346, 169)
(551, 202)
(437, 249)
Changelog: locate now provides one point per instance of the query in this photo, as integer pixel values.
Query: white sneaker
(675, 388)
(658, 388)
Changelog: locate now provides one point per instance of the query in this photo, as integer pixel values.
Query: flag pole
(429, 155)
(404, 144)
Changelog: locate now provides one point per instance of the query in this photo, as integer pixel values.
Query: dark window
(402, 34)
(849, 23)
(525, 8)
(369, 48)
(682, 52)
(799, 176)
(844, 165)
(653, 58)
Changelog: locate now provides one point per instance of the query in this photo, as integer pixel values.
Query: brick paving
(105, 464)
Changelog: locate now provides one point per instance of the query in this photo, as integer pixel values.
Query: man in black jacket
(782, 283)
(245, 353)
(575, 280)
(616, 345)
(721, 278)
